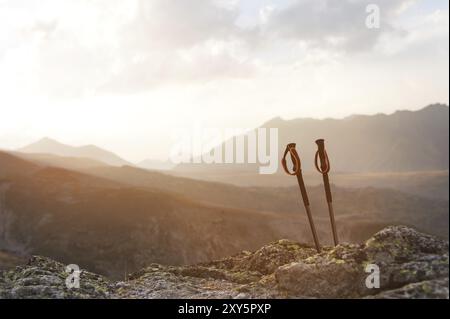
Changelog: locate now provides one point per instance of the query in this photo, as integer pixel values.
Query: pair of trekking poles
(324, 169)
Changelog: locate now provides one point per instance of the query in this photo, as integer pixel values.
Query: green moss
(426, 288)
(293, 247)
(310, 260)
(338, 261)
(241, 277)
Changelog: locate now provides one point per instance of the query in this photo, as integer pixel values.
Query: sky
(124, 75)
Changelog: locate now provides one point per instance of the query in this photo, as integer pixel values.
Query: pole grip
(297, 165)
(324, 167)
(323, 157)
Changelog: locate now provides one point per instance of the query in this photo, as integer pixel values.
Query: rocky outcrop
(411, 265)
(402, 255)
(44, 278)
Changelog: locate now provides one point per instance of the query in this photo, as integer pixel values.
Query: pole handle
(296, 170)
(322, 155)
(324, 167)
(297, 164)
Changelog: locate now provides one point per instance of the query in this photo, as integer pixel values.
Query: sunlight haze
(123, 75)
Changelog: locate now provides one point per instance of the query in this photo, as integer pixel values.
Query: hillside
(11, 165)
(152, 164)
(367, 205)
(70, 163)
(50, 146)
(431, 184)
(413, 265)
(68, 215)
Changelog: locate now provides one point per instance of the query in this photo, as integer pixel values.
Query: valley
(93, 215)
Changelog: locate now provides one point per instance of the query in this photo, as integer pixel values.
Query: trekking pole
(297, 171)
(324, 169)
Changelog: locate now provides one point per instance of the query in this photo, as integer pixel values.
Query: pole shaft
(324, 168)
(333, 224)
(313, 228)
(326, 183)
(304, 194)
(302, 186)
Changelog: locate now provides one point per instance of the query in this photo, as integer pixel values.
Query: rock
(326, 280)
(270, 257)
(411, 265)
(399, 243)
(430, 289)
(403, 255)
(267, 259)
(406, 256)
(43, 278)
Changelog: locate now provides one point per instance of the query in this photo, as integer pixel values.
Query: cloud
(170, 41)
(79, 47)
(84, 46)
(174, 24)
(332, 24)
(212, 60)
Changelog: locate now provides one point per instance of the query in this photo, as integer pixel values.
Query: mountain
(404, 141)
(156, 165)
(50, 146)
(413, 266)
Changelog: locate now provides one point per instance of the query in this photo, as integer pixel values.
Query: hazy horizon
(123, 76)
(138, 160)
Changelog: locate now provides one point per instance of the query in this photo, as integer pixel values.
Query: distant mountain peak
(401, 141)
(50, 146)
(275, 122)
(47, 140)
(435, 107)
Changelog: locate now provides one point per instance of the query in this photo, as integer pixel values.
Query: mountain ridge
(434, 107)
(50, 146)
(398, 142)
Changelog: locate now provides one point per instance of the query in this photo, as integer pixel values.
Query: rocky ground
(411, 264)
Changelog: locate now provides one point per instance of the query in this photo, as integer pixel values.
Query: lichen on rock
(43, 278)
